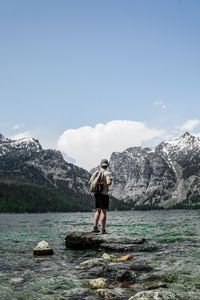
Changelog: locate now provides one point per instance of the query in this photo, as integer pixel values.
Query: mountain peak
(3, 139)
(185, 138)
(28, 142)
(187, 135)
(186, 142)
(25, 144)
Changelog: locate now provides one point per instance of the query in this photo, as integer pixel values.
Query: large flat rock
(86, 240)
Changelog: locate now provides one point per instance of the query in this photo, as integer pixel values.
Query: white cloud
(21, 135)
(160, 104)
(88, 145)
(17, 126)
(190, 125)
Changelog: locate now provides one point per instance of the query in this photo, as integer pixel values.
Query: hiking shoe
(95, 229)
(103, 231)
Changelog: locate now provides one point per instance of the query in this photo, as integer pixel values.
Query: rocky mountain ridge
(26, 159)
(143, 178)
(36, 180)
(166, 177)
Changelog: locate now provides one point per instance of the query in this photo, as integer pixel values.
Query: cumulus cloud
(21, 135)
(160, 104)
(88, 145)
(190, 125)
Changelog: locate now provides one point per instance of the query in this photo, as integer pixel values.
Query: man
(102, 198)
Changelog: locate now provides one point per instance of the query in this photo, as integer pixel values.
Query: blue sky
(71, 64)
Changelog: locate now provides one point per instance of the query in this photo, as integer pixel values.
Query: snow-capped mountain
(178, 148)
(143, 178)
(183, 154)
(21, 148)
(3, 139)
(168, 176)
(25, 159)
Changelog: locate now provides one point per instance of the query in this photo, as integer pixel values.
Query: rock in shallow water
(108, 294)
(125, 275)
(98, 283)
(43, 248)
(155, 295)
(92, 262)
(17, 280)
(86, 240)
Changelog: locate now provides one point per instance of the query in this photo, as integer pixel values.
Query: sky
(92, 77)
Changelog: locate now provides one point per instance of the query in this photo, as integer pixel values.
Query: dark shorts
(101, 201)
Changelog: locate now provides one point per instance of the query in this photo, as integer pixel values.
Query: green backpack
(95, 182)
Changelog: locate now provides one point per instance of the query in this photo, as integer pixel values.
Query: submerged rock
(17, 280)
(98, 283)
(140, 267)
(109, 294)
(125, 276)
(78, 293)
(112, 258)
(92, 262)
(155, 295)
(155, 285)
(138, 247)
(43, 248)
(116, 274)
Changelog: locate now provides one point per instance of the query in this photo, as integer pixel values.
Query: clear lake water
(23, 276)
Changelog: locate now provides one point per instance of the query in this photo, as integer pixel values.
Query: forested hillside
(19, 197)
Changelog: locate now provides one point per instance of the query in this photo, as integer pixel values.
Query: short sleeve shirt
(106, 174)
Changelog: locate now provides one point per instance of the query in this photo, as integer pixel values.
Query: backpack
(95, 182)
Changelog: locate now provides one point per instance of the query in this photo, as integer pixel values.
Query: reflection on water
(23, 276)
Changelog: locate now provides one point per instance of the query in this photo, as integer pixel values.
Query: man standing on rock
(102, 197)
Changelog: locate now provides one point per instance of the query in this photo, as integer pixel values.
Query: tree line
(21, 197)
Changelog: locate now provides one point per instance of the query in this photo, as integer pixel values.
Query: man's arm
(108, 180)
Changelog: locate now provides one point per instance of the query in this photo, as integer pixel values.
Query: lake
(23, 276)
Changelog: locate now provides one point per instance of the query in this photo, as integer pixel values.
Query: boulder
(43, 248)
(86, 240)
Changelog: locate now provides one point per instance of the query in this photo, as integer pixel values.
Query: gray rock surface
(166, 177)
(85, 240)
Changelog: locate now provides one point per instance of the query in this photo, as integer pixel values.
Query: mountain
(36, 180)
(166, 177)
(24, 165)
(183, 154)
(3, 139)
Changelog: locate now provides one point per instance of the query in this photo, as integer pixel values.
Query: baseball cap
(104, 162)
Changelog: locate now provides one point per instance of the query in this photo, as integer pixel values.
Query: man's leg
(103, 220)
(96, 216)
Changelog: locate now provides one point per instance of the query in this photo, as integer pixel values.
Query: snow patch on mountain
(186, 142)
